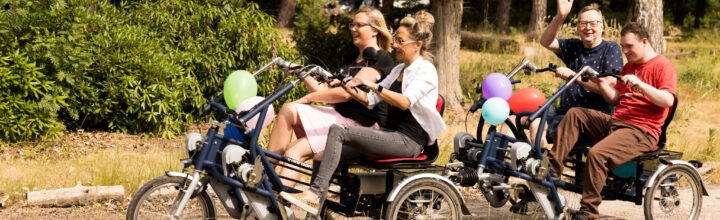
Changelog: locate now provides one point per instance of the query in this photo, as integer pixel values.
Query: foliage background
(137, 66)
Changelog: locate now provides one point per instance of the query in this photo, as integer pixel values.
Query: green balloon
(239, 86)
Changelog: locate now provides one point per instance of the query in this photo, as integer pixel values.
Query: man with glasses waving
(589, 50)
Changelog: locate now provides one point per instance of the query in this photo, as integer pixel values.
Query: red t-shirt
(634, 107)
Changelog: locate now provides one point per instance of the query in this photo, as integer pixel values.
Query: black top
(403, 121)
(355, 110)
(603, 58)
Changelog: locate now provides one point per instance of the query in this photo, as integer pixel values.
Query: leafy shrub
(327, 39)
(144, 65)
(27, 98)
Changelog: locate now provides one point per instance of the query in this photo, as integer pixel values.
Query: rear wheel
(425, 199)
(156, 197)
(675, 194)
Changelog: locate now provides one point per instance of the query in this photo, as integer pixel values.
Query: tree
(503, 22)
(679, 12)
(387, 6)
(286, 13)
(649, 14)
(448, 15)
(700, 6)
(537, 18)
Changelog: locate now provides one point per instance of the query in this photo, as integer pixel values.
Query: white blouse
(420, 86)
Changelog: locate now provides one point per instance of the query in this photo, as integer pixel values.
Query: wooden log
(482, 43)
(75, 195)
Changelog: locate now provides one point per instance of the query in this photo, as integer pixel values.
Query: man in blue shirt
(589, 50)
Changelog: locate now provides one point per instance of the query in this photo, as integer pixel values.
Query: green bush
(27, 98)
(317, 35)
(142, 66)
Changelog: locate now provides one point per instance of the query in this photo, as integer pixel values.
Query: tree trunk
(537, 18)
(484, 9)
(387, 6)
(503, 22)
(286, 13)
(448, 15)
(679, 12)
(649, 14)
(700, 6)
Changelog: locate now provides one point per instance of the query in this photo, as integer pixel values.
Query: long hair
(377, 21)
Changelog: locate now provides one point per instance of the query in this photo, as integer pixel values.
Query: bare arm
(337, 95)
(658, 97)
(549, 36)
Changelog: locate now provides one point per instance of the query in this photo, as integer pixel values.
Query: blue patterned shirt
(603, 58)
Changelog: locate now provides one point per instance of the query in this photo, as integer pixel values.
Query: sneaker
(554, 176)
(579, 215)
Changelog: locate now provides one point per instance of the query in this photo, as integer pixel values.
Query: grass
(103, 167)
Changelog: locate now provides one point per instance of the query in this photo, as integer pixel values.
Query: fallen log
(78, 195)
(482, 43)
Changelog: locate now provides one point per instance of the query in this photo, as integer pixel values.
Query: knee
(336, 130)
(534, 126)
(296, 153)
(288, 109)
(573, 112)
(595, 155)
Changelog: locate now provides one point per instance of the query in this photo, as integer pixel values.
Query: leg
(504, 129)
(576, 123)
(281, 134)
(534, 126)
(352, 142)
(299, 150)
(623, 144)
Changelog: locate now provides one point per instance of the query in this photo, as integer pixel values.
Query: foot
(579, 215)
(308, 203)
(554, 176)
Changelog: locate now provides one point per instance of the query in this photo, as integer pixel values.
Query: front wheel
(425, 199)
(156, 197)
(676, 194)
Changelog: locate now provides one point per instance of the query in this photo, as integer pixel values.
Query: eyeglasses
(592, 24)
(397, 40)
(357, 25)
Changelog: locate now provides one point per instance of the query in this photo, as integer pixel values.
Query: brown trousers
(617, 143)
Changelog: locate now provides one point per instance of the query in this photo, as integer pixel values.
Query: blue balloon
(495, 110)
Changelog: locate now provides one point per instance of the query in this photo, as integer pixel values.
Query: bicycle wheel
(674, 195)
(425, 199)
(154, 199)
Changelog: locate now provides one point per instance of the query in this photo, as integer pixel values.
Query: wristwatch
(378, 89)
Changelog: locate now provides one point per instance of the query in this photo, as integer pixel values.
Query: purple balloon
(497, 85)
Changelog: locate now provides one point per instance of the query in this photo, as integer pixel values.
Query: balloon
(495, 110)
(496, 85)
(527, 99)
(239, 86)
(251, 102)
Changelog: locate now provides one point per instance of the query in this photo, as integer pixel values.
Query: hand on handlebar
(564, 73)
(632, 80)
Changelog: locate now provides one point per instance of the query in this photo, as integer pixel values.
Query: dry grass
(103, 167)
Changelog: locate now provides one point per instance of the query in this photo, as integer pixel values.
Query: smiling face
(634, 48)
(590, 27)
(405, 47)
(362, 33)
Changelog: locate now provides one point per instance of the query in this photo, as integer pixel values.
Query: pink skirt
(317, 120)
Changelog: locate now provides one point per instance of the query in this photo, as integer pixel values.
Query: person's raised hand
(564, 7)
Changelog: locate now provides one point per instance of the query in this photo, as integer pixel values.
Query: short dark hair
(637, 29)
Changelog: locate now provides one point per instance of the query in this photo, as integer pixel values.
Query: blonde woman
(311, 123)
(411, 92)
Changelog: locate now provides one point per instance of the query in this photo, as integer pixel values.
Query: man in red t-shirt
(643, 101)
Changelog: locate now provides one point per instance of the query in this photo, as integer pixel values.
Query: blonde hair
(377, 21)
(420, 26)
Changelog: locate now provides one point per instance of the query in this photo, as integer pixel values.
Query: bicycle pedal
(543, 170)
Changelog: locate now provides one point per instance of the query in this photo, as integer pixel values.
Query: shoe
(555, 176)
(579, 215)
(309, 206)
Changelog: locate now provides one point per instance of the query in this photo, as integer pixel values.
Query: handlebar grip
(364, 88)
(216, 101)
(515, 81)
(259, 79)
(477, 105)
